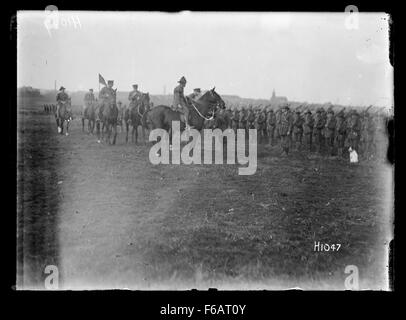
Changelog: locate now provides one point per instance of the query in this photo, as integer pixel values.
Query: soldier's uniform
(179, 100)
(319, 124)
(195, 95)
(329, 132)
(134, 96)
(285, 128)
(308, 129)
(250, 119)
(271, 124)
(297, 130)
(89, 100)
(353, 130)
(260, 123)
(243, 119)
(62, 98)
(278, 123)
(107, 96)
(227, 117)
(341, 128)
(235, 119)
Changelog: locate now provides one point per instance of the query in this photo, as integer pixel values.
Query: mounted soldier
(63, 110)
(107, 94)
(196, 94)
(179, 101)
(107, 98)
(88, 100)
(134, 96)
(62, 98)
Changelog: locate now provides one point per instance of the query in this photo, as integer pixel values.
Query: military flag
(101, 80)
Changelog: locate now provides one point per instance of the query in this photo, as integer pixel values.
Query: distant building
(276, 100)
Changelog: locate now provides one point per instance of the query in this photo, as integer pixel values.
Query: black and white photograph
(194, 150)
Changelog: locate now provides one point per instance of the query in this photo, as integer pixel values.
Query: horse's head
(214, 99)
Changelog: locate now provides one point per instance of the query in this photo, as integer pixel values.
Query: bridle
(212, 106)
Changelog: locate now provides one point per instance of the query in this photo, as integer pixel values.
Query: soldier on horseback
(134, 96)
(195, 95)
(108, 94)
(61, 98)
(89, 101)
(179, 100)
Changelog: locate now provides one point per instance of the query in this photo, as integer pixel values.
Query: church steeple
(273, 94)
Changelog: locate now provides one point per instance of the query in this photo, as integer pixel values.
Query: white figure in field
(353, 155)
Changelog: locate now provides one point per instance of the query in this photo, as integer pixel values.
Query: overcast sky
(303, 56)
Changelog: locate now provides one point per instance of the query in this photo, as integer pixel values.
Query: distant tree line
(28, 92)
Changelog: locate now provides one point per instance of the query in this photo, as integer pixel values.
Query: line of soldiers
(322, 131)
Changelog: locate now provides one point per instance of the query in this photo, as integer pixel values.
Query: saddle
(180, 110)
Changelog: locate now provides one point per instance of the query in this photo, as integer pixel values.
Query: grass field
(108, 218)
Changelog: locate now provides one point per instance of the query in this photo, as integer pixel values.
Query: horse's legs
(67, 127)
(98, 130)
(103, 129)
(126, 129)
(143, 134)
(83, 124)
(115, 133)
(133, 132)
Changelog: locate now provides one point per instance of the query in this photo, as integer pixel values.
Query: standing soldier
(297, 129)
(250, 119)
(285, 128)
(329, 131)
(319, 124)
(243, 119)
(235, 119)
(227, 117)
(271, 123)
(278, 123)
(308, 129)
(354, 129)
(341, 128)
(179, 101)
(260, 123)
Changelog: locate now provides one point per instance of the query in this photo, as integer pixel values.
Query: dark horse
(107, 114)
(63, 115)
(109, 119)
(203, 109)
(89, 114)
(135, 116)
